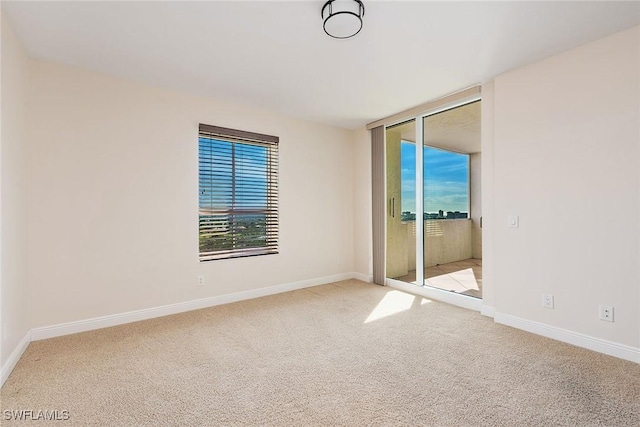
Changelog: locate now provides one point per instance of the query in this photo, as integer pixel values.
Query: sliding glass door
(433, 192)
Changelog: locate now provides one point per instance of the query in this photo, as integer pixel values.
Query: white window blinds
(238, 201)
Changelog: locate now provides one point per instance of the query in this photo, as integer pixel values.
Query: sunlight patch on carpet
(395, 302)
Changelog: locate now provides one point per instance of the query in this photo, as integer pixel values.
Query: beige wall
(567, 161)
(13, 195)
(362, 204)
(113, 197)
(446, 241)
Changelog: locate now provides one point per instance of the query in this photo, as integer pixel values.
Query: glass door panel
(451, 261)
(401, 201)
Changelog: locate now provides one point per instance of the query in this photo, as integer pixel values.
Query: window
(238, 200)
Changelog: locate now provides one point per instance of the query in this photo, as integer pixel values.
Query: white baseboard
(596, 344)
(165, 310)
(488, 311)
(368, 278)
(12, 361)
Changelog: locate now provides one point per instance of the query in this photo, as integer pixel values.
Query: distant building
(457, 215)
(441, 215)
(408, 216)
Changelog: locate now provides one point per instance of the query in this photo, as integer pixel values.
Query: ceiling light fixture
(345, 21)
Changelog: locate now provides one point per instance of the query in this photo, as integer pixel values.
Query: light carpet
(347, 353)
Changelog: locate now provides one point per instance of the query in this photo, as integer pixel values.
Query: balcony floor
(462, 277)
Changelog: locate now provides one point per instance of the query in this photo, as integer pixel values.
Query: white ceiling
(275, 55)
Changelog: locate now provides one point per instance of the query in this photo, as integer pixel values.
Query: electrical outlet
(606, 313)
(547, 301)
(201, 280)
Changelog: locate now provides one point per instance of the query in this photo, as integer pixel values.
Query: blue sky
(215, 166)
(446, 182)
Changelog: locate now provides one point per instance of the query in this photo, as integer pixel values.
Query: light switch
(513, 221)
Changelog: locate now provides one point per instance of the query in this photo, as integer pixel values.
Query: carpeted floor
(347, 354)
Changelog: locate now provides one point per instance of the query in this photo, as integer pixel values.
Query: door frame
(420, 288)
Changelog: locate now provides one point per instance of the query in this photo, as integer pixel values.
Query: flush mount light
(342, 18)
